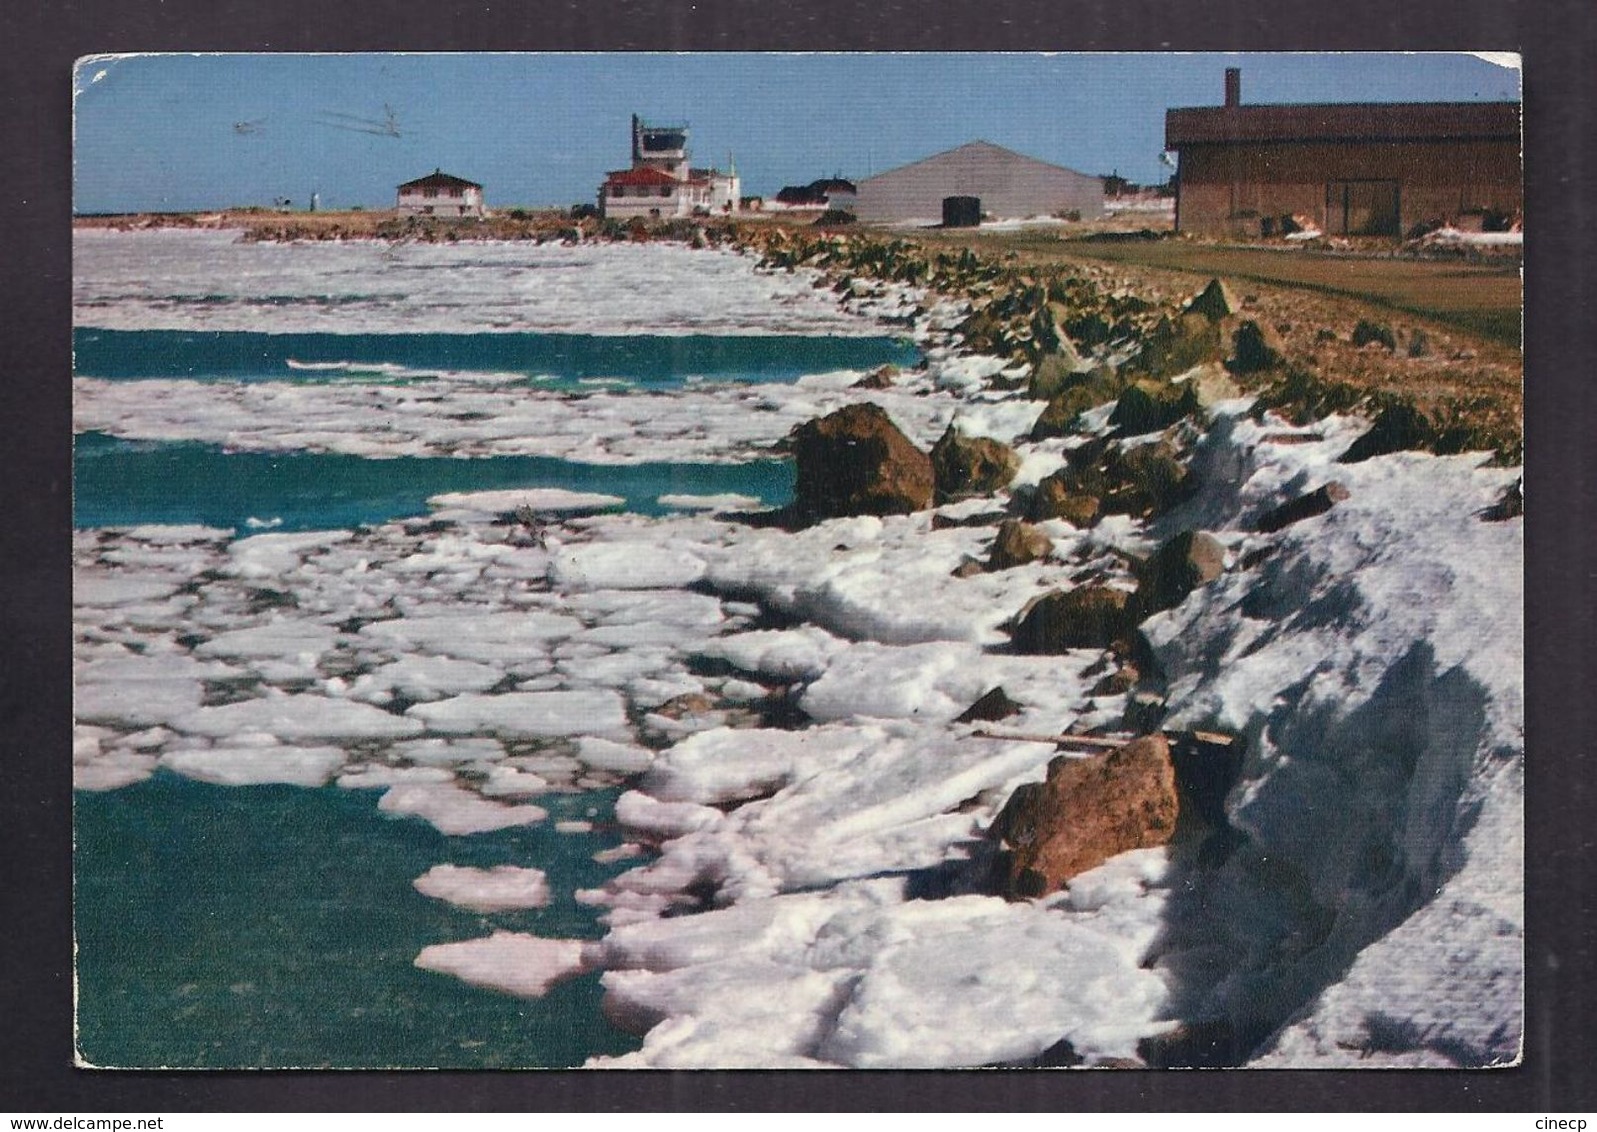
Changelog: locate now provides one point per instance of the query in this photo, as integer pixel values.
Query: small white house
(439, 194)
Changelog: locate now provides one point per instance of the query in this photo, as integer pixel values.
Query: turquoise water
(653, 360)
(121, 482)
(276, 926)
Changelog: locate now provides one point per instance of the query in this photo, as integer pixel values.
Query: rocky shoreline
(1117, 690)
(1144, 415)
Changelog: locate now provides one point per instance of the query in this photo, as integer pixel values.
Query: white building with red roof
(439, 194)
(661, 184)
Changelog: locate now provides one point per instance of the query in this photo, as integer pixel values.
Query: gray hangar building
(1009, 185)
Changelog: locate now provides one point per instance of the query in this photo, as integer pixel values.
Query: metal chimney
(1233, 86)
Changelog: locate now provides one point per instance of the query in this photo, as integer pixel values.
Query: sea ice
(454, 810)
(526, 715)
(258, 765)
(512, 962)
(296, 716)
(497, 889)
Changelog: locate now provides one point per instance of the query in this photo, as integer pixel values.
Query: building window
(452, 191)
(665, 190)
(430, 194)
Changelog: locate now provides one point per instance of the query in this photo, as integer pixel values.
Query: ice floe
(512, 962)
(258, 765)
(485, 890)
(454, 810)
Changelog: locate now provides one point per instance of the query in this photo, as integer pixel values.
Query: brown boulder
(1087, 811)
(1180, 565)
(1088, 617)
(856, 462)
(1016, 544)
(969, 466)
(1056, 497)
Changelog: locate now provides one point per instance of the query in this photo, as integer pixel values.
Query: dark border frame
(1558, 39)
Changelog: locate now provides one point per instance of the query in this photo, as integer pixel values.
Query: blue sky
(205, 131)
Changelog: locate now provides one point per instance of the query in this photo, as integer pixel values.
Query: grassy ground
(1482, 298)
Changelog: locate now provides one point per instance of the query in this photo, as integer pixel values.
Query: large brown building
(1349, 169)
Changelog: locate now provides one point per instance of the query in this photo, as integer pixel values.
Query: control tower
(660, 147)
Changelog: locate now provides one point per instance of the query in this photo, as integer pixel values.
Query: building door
(1361, 208)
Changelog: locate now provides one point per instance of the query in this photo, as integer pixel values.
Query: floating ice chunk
(177, 534)
(508, 782)
(725, 501)
(632, 607)
(286, 638)
(526, 715)
(301, 716)
(136, 703)
(499, 636)
(376, 776)
(623, 852)
(112, 771)
(614, 669)
(454, 810)
(608, 755)
(664, 820)
(623, 566)
(96, 588)
(485, 890)
(257, 766)
(513, 962)
(541, 500)
(86, 741)
(447, 752)
(573, 827)
(271, 556)
(786, 654)
(425, 678)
